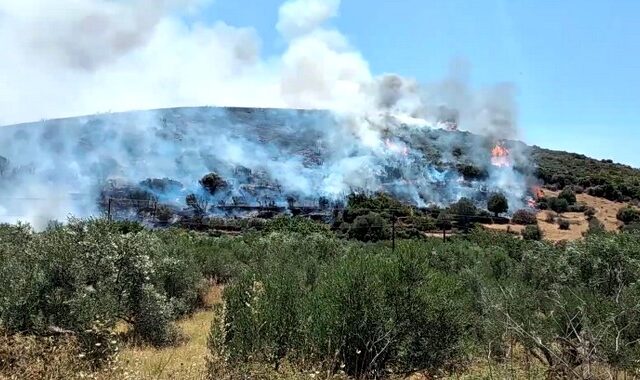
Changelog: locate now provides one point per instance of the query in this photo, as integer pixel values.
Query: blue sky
(576, 63)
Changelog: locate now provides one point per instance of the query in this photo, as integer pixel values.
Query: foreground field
(96, 299)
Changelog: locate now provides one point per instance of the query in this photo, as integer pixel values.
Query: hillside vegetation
(601, 178)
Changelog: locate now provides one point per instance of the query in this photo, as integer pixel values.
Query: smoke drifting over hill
(74, 57)
(78, 57)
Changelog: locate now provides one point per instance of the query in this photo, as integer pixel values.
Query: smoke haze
(80, 57)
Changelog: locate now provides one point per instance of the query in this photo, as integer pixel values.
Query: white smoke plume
(67, 58)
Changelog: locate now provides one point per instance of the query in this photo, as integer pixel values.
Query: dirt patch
(606, 212)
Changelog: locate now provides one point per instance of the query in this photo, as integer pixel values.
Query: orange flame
(500, 156)
(537, 192)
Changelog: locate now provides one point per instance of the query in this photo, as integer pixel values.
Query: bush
(497, 203)
(558, 205)
(532, 233)
(365, 312)
(628, 215)
(444, 221)
(296, 224)
(87, 273)
(153, 316)
(381, 203)
(595, 226)
(213, 183)
(568, 195)
(564, 224)
(543, 204)
(128, 226)
(353, 319)
(524, 217)
(590, 213)
(578, 207)
(633, 228)
(369, 228)
(470, 172)
(464, 206)
(550, 217)
(424, 223)
(198, 204)
(607, 191)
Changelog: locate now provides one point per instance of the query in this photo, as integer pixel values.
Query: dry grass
(606, 212)
(29, 357)
(186, 361)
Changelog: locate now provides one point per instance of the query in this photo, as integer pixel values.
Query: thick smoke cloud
(71, 57)
(79, 57)
(74, 57)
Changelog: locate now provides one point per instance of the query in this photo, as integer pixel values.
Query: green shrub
(578, 207)
(152, 318)
(628, 215)
(595, 226)
(89, 272)
(524, 217)
(296, 224)
(433, 324)
(564, 224)
(213, 183)
(471, 172)
(550, 217)
(632, 228)
(532, 233)
(363, 311)
(444, 221)
(424, 223)
(568, 195)
(497, 203)
(369, 228)
(351, 318)
(558, 205)
(590, 213)
(543, 204)
(361, 204)
(128, 226)
(464, 206)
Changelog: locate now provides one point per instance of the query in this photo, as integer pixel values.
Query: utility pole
(109, 211)
(155, 210)
(393, 234)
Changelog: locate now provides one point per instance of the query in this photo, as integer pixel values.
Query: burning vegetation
(501, 156)
(237, 162)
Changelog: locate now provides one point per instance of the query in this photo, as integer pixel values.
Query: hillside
(236, 290)
(601, 178)
(136, 161)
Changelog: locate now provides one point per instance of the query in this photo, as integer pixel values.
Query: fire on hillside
(501, 156)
